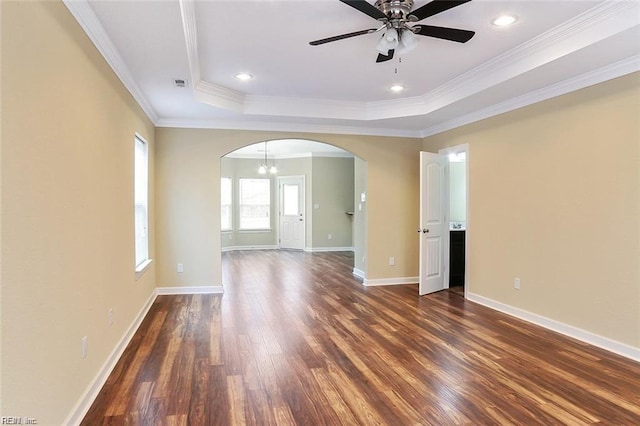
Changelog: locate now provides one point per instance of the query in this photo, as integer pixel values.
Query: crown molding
(188, 15)
(609, 72)
(305, 107)
(615, 70)
(598, 23)
(86, 18)
(287, 127)
(219, 96)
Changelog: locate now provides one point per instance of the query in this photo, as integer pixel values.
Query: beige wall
(188, 194)
(68, 128)
(554, 199)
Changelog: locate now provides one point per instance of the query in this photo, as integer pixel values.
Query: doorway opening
(443, 226)
(292, 218)
(458, 158)
(293, 194)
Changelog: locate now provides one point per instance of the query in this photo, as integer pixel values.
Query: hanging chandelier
(264, 166)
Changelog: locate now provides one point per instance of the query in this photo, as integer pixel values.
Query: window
(290, 195)
(225, 203)
(141, 190)
(255, 203)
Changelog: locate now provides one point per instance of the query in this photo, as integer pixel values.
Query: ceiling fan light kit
(388, 41)
(396, 15)
(408, 40)
(264, 166)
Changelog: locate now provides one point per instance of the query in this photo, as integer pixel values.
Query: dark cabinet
(456, 259)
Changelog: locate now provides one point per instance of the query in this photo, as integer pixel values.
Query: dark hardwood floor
(296, 339)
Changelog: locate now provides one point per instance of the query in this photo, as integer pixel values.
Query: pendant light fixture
(264, 167)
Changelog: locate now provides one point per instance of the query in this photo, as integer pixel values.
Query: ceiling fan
(395, 16)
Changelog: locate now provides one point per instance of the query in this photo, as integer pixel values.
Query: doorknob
(425, 231)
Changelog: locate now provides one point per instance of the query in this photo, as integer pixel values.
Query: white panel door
(434, 226)
(291, 225)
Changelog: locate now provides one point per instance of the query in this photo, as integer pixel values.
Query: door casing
(302, 218)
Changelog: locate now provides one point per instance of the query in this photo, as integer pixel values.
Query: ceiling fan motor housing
(396, 10)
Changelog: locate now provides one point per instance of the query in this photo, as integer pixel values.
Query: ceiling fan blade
(366, 8)
(435, 7)
(452, 34)
(342, 36)
(385, 58)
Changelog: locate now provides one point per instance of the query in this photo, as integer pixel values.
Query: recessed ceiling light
(396, 88)
(504, 20)
(244, 76)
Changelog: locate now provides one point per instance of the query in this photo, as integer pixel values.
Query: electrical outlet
(329, 236)
(392, 261)
(180, 268)
(85, 347)
(516, 283)
(110, 316)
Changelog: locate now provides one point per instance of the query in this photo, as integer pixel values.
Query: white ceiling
(555, 47)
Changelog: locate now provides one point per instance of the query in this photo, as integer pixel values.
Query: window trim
(142, 266)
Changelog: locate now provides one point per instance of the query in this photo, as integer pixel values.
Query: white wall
(458, 191)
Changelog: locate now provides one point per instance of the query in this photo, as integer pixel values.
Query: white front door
(292, 220)
(434, 226)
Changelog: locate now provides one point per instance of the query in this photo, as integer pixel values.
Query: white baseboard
(209, 289)
(358, 273)
(390, 281)
(240, 248)
(568, 330)
(272, 247)
(327, 249)
(88, 397)
(90, 394)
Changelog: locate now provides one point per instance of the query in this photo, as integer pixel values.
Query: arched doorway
(327, 182)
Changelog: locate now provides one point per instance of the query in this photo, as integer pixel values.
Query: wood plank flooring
(296, 339)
